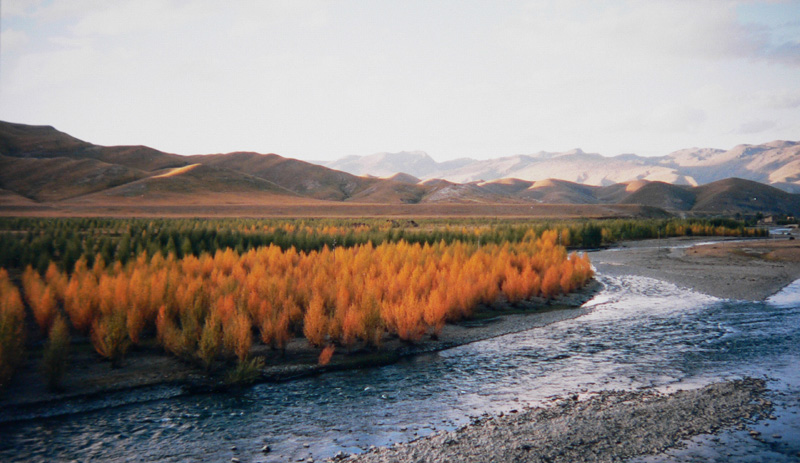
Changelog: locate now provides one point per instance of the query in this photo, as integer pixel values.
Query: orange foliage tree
(206, 306)
(12, 328)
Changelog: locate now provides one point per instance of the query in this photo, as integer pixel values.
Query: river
(640, 333)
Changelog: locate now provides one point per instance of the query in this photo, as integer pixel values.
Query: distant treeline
(37, 242)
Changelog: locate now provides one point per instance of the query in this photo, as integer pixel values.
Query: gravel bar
(607, 426)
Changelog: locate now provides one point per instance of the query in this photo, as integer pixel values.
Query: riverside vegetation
(207, 290)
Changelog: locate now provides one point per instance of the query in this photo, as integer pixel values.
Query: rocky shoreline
(607, 426)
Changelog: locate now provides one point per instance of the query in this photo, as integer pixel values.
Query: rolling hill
(44, 169)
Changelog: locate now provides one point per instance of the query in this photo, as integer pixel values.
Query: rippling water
(640, 333)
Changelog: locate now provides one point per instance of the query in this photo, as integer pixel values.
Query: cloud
(778, 99)
(12, 40)
(787, 52)
(322, 79)
(755, 126)
(678, 118)
(17, 8)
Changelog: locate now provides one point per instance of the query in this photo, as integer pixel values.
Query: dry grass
(275, 206)
(772, 250)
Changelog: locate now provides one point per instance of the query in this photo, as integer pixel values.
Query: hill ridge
(41, 165)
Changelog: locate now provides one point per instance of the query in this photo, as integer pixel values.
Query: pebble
(234, 460)
(776, 436)
(754, 433)
(266, 449)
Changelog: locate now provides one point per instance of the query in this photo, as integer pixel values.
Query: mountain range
(776, 163)
(42, 168)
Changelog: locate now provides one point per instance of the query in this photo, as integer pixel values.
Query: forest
(38, 241)
(207, 290)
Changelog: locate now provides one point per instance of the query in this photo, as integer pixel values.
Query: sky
(320, 80)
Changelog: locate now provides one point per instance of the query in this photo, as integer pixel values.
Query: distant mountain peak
(385, 164)
(776, 162)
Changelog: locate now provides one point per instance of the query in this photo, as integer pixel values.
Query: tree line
(211, 309)
(37, 242)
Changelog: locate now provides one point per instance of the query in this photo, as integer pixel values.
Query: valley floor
(741, 270)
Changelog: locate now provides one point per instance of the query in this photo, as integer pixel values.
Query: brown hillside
(462, 193)
(613, 194)
(139, 157)
(44, 170)
(53, 179)
(734, 195)
(403, 178)
(195, 179)
(663, 195)
(390, 192)
(37, 141)
(300, 177)
(506, 186)
(9, 198)
(554, 191)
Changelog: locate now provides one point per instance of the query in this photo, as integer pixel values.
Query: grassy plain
(238, 206)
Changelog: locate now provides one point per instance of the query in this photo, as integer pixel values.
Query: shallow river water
(640, 333)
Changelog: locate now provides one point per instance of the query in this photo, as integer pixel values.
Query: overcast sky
(321, 80)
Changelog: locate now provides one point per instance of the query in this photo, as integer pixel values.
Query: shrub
(41, 299)
(56, 354)
(110, 337)
(238, 335)
(210, 342)
(171, 337)
(315, 322)
(275, 329)
(12, 328)
(326, 354)
(245, 371)
(435, 311)
(79, 301)
(551, 284)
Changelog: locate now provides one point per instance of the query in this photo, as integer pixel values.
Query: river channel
(640, 333)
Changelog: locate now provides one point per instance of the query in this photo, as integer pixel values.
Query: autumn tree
(12, 328)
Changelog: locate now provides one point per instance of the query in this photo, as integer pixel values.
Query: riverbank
(751, 269)
(608, 426)
(613, 425)
(728, 269)
(149, 374)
